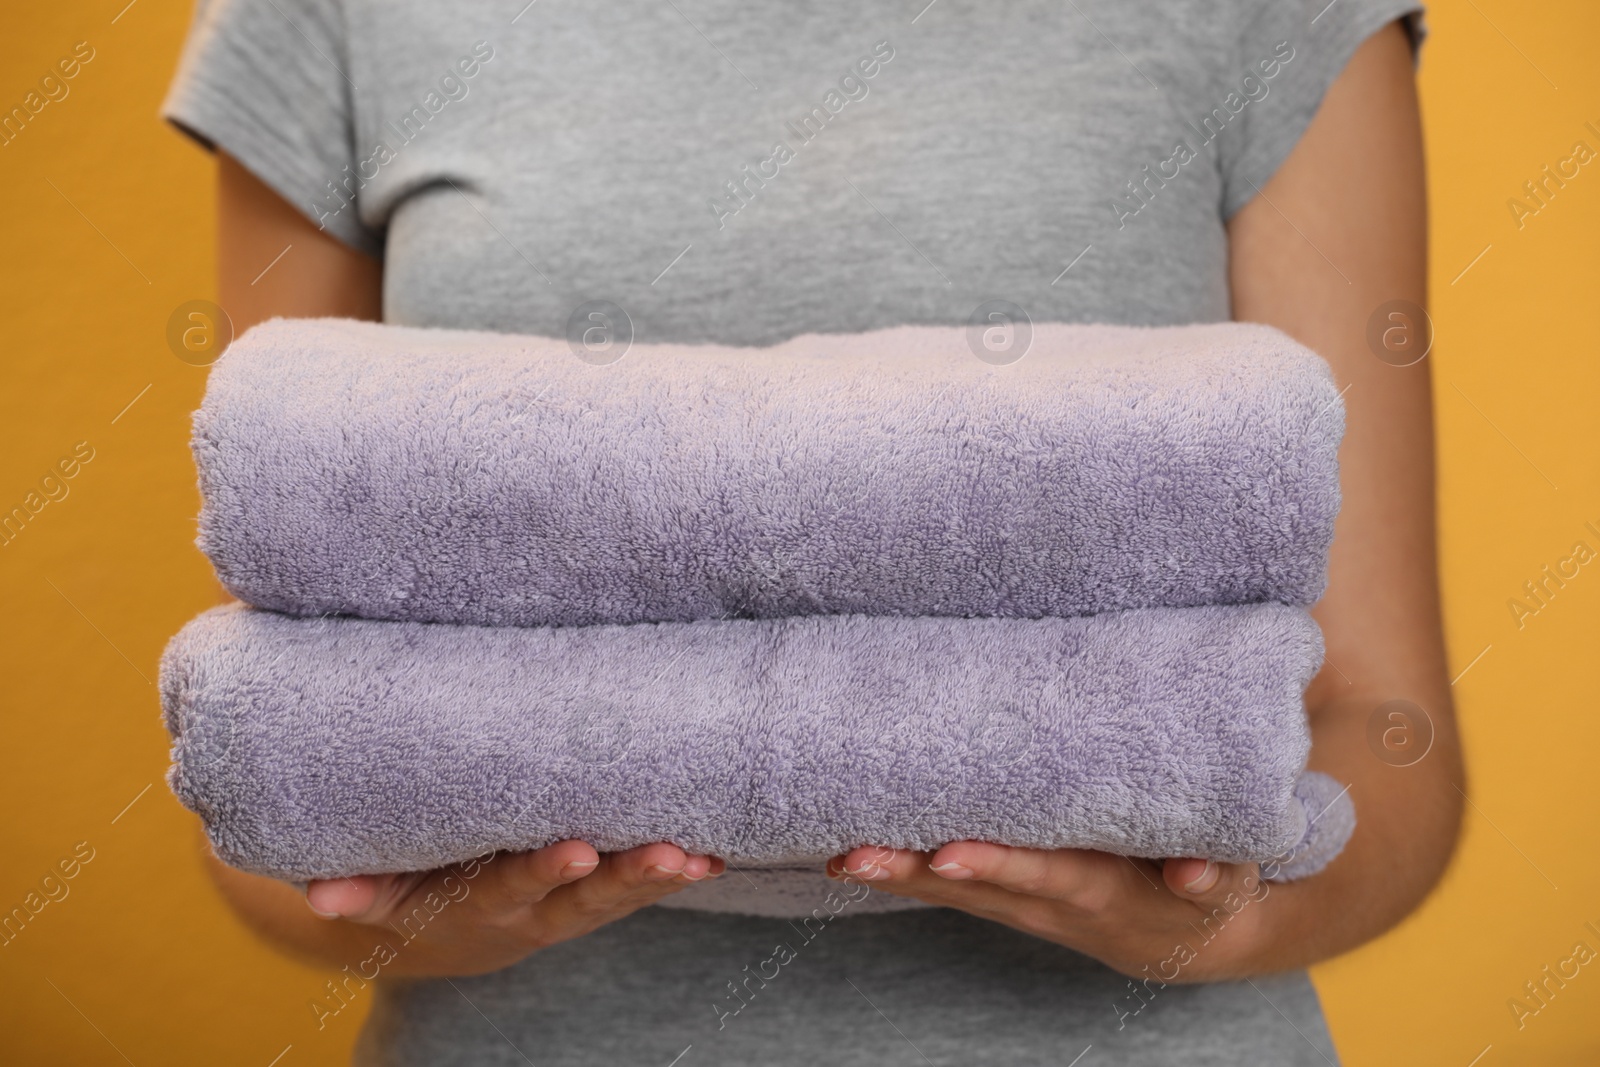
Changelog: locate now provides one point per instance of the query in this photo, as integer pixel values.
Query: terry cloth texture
(315, 749)
(448, 476)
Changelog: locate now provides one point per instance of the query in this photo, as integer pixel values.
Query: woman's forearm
(1334, 244)
(1407, 818)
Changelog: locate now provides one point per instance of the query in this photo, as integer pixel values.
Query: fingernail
(322, 914)
(869, 873)
(577, 867)
(1205, 880)
(657, 872)
(952, 870)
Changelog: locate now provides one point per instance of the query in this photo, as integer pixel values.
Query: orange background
(108, 227)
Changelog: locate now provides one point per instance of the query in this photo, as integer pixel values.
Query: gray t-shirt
(742, 172)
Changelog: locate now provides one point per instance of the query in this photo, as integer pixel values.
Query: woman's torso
(631, 154)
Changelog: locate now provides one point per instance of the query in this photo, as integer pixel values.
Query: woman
(743, 173)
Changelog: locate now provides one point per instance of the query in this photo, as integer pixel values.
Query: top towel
(452, 476)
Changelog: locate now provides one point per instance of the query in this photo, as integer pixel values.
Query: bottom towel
(321, 748)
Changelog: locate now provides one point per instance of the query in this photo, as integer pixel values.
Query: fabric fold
(448, 476)
(316, 748)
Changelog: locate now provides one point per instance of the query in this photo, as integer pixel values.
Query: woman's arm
(317, 277)
(479, 916)
(1338, 231)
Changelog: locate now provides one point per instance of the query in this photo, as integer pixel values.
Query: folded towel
(320, 748)
(448, 476)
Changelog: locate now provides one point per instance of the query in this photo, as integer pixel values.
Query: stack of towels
(765, 604)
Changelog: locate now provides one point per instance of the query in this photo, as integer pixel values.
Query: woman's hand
(469, 918)
(1184, 920)
(482, 915)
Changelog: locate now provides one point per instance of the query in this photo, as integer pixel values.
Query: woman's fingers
(343, 898)
(1208, 882)
(510, 882)
(1084, 879)
(485, 914)
(622, 883)
(1087, 880)
(907, 873)
(871, 863)
(1081, 878)
(367, 898)
(518, 879)
(1124, 912)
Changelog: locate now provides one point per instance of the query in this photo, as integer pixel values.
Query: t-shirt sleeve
(267, 82)
(1292, 50)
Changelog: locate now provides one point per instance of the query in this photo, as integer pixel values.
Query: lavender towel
(318, 748)
(447, 476)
